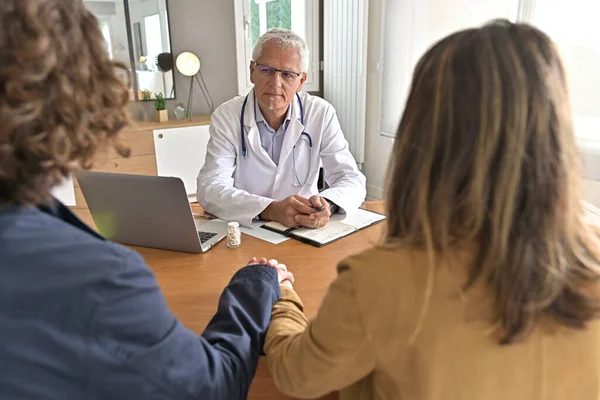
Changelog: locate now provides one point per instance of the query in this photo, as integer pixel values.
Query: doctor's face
(277, 76)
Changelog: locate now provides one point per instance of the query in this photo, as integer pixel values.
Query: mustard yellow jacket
(378, 335)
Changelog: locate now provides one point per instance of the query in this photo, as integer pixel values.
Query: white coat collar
(292, 134)
(250, 115)
(260, 117)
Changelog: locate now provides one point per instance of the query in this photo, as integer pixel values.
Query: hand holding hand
(286, 278)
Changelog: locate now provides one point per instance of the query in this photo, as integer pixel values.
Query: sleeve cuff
(334, 208)
(259, 272)
(290, 295)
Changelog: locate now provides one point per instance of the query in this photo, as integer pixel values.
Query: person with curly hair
(80, 316)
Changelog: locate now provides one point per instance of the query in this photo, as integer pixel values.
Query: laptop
(147, 211)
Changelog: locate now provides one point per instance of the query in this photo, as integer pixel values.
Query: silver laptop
(148, 211)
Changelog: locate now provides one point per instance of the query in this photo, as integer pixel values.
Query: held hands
(299, 211)
(286, 278)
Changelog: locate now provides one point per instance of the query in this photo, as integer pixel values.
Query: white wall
(590, 151)
(377, 147)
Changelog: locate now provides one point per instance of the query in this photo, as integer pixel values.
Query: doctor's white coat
(237, 188)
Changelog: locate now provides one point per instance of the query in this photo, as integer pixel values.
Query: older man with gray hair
(266, 148)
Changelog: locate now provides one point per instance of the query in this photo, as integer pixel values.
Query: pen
(319, 209)
(203, 216)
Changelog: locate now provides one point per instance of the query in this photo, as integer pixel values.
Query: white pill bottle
(234, 235)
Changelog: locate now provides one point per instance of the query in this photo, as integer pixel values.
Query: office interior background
(362, 56)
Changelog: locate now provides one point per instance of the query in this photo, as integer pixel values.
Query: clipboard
(339, 226)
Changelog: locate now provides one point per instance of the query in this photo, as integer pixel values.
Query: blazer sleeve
(216, 192)
(331, 352)
(135, 329)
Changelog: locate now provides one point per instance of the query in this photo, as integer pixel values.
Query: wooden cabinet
(142, 159)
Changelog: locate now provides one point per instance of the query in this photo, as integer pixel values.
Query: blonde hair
(485, 154)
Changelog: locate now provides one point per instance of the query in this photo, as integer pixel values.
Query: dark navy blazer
(83, 318)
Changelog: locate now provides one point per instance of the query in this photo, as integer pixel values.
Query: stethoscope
(245, 150)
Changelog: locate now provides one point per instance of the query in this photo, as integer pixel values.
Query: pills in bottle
(234, 236)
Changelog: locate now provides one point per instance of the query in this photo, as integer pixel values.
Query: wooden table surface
(192, 283)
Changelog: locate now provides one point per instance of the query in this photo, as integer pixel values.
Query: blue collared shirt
(270, 140)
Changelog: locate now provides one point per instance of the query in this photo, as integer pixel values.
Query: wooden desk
(192, 283)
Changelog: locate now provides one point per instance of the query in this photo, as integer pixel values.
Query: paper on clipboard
(263, 234)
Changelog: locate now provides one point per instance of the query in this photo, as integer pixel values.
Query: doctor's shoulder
(228, 111)
(316, 104)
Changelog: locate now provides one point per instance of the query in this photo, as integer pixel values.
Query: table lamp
(188, 64)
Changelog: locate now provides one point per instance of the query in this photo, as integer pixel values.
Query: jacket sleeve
(215, 191)
(145, 352)
(347, 185)
(311, 359)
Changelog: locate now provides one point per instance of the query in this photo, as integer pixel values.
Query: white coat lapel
(292, 134)
(253, 137)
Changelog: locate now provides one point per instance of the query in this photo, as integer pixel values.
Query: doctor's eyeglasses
(268, 71)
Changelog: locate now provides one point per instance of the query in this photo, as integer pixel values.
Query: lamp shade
(164, 62)
(188, 63)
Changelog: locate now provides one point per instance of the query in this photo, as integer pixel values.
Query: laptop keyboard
(206, 236)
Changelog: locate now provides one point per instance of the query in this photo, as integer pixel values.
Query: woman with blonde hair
(487, 283)
(81, 317)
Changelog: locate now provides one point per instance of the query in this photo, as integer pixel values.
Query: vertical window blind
(411, 27)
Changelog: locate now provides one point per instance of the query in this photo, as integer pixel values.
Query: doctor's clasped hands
(299, 211)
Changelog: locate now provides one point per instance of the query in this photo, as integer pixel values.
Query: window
(574, 27)
(255, 17)
(105, 27)
(411, 27)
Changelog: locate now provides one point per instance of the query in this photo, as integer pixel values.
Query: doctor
(266, 148)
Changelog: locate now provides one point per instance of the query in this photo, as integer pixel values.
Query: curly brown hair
(61, 98)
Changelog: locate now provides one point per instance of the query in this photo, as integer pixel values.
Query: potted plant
(146, 95)
(159, 105)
